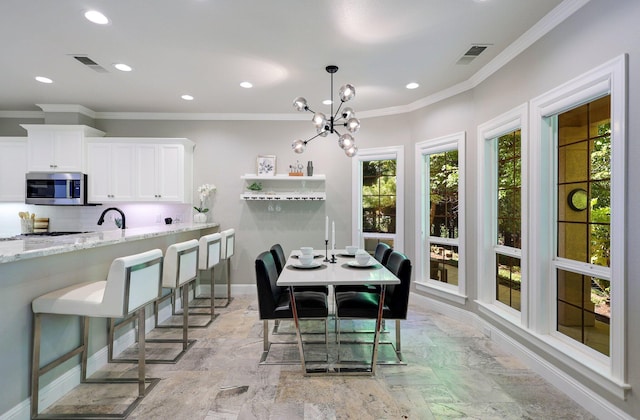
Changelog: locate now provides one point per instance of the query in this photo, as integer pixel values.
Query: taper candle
(333, 237)
(326, 229)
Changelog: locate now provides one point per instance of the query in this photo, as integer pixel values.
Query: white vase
(200, 218)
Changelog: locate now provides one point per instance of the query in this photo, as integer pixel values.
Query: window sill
(442, 292)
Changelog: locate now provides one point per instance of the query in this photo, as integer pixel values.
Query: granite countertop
(33, 247)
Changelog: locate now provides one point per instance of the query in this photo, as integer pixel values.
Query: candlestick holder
(326, 251)
(333, 259)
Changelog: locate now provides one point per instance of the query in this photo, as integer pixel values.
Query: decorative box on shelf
(284, 187)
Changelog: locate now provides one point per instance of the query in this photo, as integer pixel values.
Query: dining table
(340, 268)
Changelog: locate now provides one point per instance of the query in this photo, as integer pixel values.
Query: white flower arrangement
(204, 191)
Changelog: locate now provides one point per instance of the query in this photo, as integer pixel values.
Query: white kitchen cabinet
(139, 169)
(110, 171)
(161, 172)
(285, 187)
(57, 148)
(13, 166)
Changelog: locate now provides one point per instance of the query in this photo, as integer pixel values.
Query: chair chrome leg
(212, 307)
(84, 325)
(141, 355)
(228, 299)
(35, 365)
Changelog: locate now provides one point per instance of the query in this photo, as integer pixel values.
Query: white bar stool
(208, 258)
(132, 283)
(227, 251)
(179, 270)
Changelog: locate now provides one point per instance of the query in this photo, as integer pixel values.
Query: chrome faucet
(101, 219)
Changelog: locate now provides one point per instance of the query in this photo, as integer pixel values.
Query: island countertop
(40, 246)
(34, 266)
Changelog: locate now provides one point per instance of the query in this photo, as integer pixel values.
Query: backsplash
(85, 218)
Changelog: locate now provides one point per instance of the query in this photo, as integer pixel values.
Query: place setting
(350, 252)
(307, 260)
(362, 261)
(307, 250)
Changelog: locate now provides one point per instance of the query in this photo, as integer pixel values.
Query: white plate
(371, 263)
(314, 264)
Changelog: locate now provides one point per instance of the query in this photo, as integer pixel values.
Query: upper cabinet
(140, 169)
(161, 172)
(13, 166)
(110, 171)
(57, 148)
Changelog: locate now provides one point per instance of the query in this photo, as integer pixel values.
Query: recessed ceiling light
(246, 85)
(187, 97)
(412, 85)
(327, 102)
(122, 67)
(96, 17)
(42, 79)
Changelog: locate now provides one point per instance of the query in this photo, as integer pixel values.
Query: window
(378, 182)
(440, 214)
(508, 241)
(583, 222)
(501, 218)
(577, 156)
(378, 199)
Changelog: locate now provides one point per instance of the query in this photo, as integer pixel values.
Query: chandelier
(324, 126)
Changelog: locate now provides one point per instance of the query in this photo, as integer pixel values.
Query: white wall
(598, 32)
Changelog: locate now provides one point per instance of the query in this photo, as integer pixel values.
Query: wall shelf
(283, 187)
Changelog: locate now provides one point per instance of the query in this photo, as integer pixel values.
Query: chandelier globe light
(343, 117)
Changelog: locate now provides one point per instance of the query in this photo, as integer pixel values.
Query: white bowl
(306, 250)
(305, 259)
(362, 257)
(351, 249)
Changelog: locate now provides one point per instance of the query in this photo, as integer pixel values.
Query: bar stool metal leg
(212, 311)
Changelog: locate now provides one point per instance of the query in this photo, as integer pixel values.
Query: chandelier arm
(307, 141)
(338, 112)
(336, 131)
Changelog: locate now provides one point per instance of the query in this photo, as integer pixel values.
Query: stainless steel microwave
(56, 188)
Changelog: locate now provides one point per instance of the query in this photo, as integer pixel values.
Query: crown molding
(79, 109)
(167, 116)
(22, 114)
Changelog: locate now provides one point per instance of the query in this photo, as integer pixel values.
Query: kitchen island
(34, 266)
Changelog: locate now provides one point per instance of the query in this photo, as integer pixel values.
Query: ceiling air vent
(90, 63)
(472, 53)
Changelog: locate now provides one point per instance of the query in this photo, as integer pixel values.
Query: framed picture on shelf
(266, 165)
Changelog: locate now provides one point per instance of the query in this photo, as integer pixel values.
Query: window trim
(457, 294)
(365, 155)
(609, 78)
(515, 119)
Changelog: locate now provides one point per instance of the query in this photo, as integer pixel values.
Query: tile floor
(452, 372)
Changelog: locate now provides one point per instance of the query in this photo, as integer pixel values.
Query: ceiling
(205, 48)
